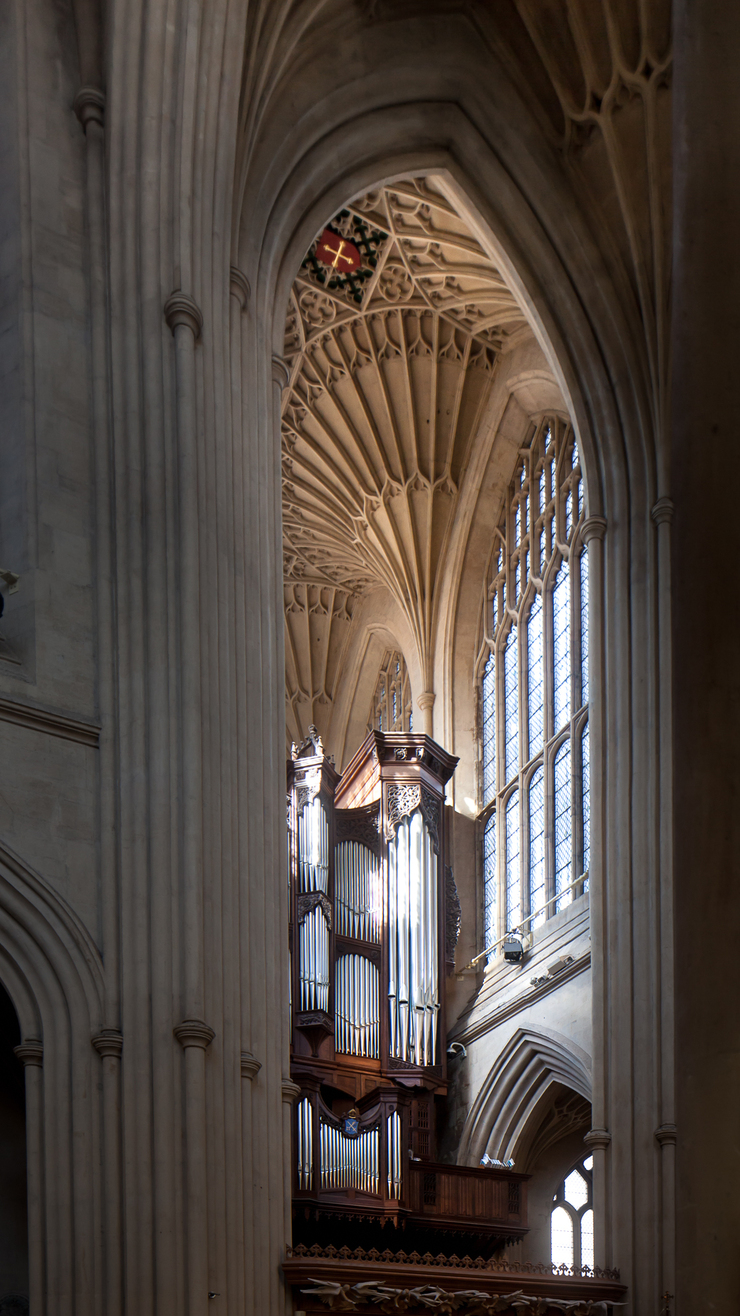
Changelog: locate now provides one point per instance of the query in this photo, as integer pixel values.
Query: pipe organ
(371, 899)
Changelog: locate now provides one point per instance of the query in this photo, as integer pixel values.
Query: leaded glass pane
(561, 647)
(576, 1190)
(586, 801)
(511, 705)
(489, 883)
(583, 570)
(561, 1237)
(489, 729)
(563, 826)
(513, 876)
(537, 845)
(536, 677)
(568, 514)
(587, 1239)
(543, 490)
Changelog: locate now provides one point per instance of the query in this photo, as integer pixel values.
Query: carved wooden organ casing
(367, 867)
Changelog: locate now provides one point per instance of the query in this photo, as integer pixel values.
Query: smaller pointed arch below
(508, 1111)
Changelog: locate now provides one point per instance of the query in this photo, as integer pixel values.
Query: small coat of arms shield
(352, 1123)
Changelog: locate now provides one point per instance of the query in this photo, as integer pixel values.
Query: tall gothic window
(572, 1218)
(392, 701)
(534, 693)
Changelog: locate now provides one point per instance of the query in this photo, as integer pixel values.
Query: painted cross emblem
(337, 252)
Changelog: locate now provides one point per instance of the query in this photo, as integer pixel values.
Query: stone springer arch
(503, 1118)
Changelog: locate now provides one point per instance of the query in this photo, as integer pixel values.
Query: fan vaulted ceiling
(394, 324)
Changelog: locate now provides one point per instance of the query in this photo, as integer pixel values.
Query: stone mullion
(598, 1138)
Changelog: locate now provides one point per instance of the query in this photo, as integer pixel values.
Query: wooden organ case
(370, 891)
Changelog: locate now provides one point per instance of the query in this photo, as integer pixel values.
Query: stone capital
(666, 1134)
(193, 1032)
(30, 1052)
(280, 372)
(291, 1090)
(250, 1065)
(597, 1139)
(239, 287)
(109, 1042)
(89, 106)
(594, 527)
(662, 511)
(426, 700)
(180, 309)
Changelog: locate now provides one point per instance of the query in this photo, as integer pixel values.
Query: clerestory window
(534, 770)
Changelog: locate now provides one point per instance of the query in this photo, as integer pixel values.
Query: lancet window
(534, 763)
(392, 702)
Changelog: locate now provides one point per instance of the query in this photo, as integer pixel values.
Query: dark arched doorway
(13, 1200)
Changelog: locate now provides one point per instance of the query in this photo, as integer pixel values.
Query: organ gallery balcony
(363, 1166)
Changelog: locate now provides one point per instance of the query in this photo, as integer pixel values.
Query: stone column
(705, 349)
(194, 1037)
(291, 1091)
(31, 1055)
(594, 529)
(109, 1045)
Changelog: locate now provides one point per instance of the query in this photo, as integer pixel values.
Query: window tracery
(392, 702)
(572, 1218)
(534, 692)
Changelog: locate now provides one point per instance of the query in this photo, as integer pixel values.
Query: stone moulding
(250, 1065)
(667, 1135)
(53, 724)
(290, 1090)
(597, 1139)
(30, 1052)
(89, 106)
(179, 309)
(239, 287)
(193, 1032)
(108, 1043)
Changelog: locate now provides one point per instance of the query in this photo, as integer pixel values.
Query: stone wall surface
(143, 899)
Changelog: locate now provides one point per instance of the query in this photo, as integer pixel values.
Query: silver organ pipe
(305, 1145)
(413, 979)
(349, 1162)
(313, 846)
(357, 889)
(314, 960)
(357, 1007)
(395, 1159)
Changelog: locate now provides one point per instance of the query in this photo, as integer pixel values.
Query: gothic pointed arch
(508, 1110)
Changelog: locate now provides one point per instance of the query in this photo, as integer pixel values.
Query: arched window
(572, 1218)
(392, 703)
(534, 785)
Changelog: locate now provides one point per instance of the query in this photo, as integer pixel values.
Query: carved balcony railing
(366, 1164)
